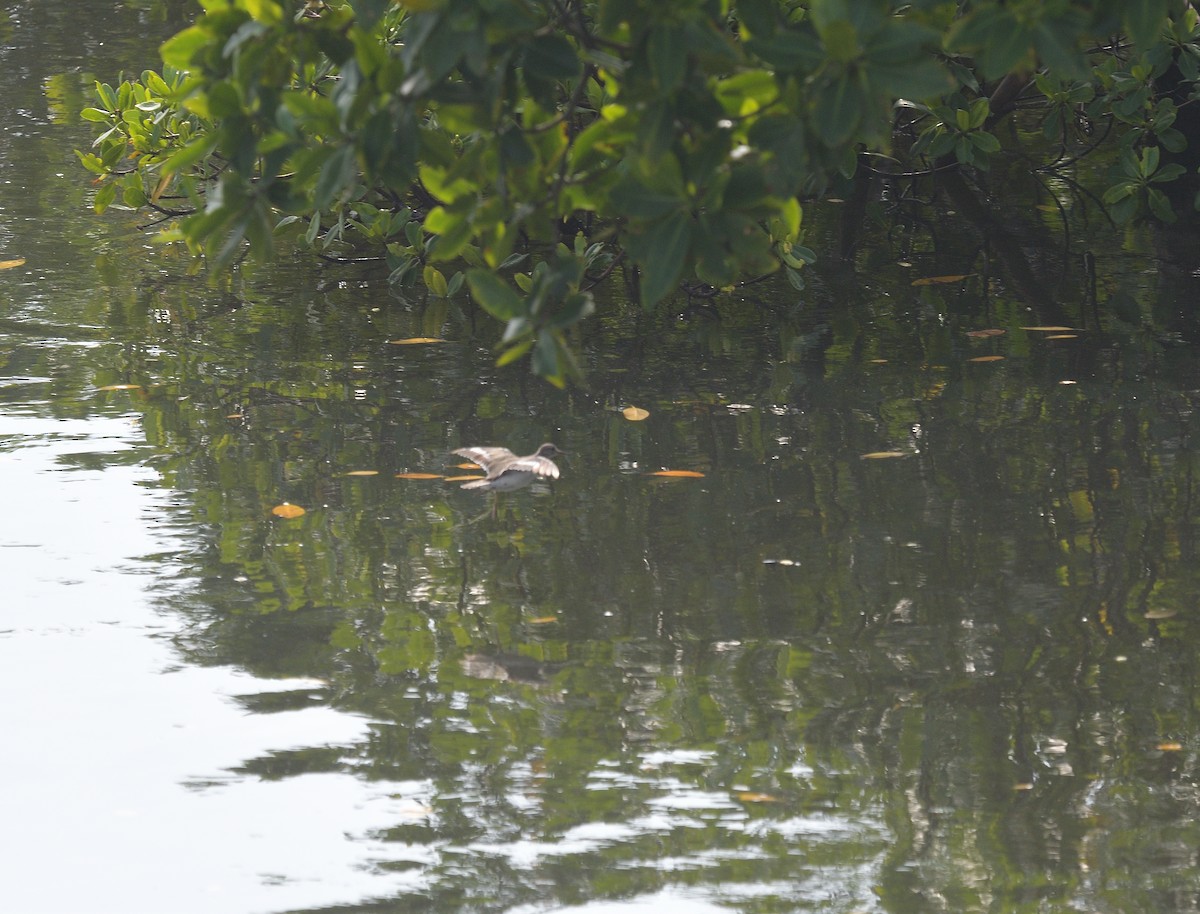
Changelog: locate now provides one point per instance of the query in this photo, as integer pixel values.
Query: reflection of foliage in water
(954, 624)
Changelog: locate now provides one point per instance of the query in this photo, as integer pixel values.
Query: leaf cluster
(670, 142)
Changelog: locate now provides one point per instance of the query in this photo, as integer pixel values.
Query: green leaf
(964, 151)
(336, 174)
(747, 92)
(180, 50)
(963, 76)
(512, 353)
(453, 230)
(757, 17)
(747, 187)
(188, 155)
(633, 198)
(661, 253)
(840, 110)
(574, 308)
(91, 162)
(107, 96)
(133, 194)
(656, 129)
(1124, 210)
(786, 224)
(1130, 164)
(994, 36)
(984, 142)
(920, 79)
(1168, 172)
(552, 57)
(1144, 19)
(800, 252)
(841, 40)
(514, 148)
(865, 15)
(788, 50)
(1119, 192)
(1149, 161)
(545, 357)
(267, 11)
(435, 281)
(1160, 205)
(668, 57)
(156, 83)
(104, 196)
(1057, 43)
(979, 110)
(902, 42)
(600, 137)
(1052, 126)
(403, 267)
(494, 295)
(1005, 53)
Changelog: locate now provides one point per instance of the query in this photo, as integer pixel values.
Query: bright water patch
(120, 789)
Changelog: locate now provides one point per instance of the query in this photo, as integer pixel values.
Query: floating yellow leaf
(884, 455)
(984, 334)
(361, 473)
(120, 387)
(418, 476)
(752, 797)
(543, 620)
(987, 358)
(1170, 747)
(9, 264)
(634, 413)
(461, 478)
(1050, 329)
(932, 280)
(416, 340)
(1063, 336)
(1161, 613)
(678, 474)
(286, 510)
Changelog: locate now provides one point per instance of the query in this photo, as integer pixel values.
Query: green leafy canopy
(666, 142)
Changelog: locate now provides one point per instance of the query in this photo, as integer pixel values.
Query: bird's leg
(475, 520)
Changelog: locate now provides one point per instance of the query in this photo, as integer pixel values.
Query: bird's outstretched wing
(539, 466)
(486, 457)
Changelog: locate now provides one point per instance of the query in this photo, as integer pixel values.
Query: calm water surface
(962, 678)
